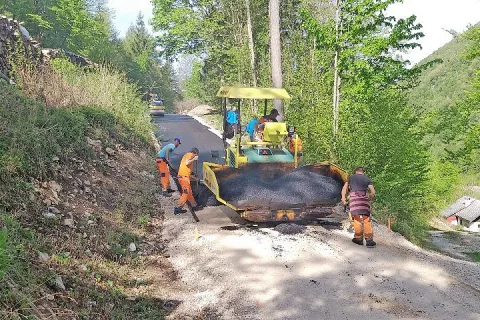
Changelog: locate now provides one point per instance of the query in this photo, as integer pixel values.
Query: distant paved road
(192, 134)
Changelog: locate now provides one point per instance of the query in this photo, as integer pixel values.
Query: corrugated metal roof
(470, 213)
(457, 206)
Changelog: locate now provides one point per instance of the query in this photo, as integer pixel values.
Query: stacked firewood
(16, 41)
(17, 44)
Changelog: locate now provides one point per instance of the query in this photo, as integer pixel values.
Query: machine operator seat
(275, 132)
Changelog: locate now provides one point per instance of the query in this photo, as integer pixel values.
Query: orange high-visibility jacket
(186, 170)
(299, 145)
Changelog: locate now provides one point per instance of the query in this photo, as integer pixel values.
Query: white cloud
(436, 15)
(126, 12)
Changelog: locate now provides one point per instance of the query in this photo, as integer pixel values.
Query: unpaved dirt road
(259, 273)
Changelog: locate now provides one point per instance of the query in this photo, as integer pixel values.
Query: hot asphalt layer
(192, 134)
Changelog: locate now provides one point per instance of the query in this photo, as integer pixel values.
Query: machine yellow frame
(264, 214)
(274, 134)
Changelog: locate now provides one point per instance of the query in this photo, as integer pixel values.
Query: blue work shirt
(251, 127)
(163, 152)
(232, 117)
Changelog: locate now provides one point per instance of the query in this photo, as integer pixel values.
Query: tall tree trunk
(337, 79)
(276, 51)
(252, 52)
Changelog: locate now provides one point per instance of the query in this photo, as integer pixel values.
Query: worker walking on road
(163, 161)
(361, 192)
(184, 176)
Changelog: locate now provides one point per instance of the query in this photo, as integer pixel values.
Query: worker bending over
(163, 161)
(361, 192)
(184, 176)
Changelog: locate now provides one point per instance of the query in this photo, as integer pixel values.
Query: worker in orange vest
(184, 176)
(163, 158)
(295, 139)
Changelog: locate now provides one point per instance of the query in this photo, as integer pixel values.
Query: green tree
(139, 44)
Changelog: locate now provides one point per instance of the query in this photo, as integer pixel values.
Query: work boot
(170, 190)
(371, 244)
(358, 241)
(178, 210)
(166, 194)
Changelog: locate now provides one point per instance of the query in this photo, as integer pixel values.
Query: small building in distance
(464, 212)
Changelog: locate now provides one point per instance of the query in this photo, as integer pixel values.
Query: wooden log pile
(49, 54)
(15, 40)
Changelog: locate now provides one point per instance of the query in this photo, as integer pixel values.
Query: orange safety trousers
(187, 194)
(363, 227)
(164, 174)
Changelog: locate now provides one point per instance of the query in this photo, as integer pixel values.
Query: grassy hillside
(444, 84)
(447, 105)
(77, 191)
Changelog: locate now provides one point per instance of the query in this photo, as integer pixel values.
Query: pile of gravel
(290, 228)
(298, 187)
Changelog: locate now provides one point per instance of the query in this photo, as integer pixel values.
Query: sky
(432, 14)
(436, 15)
(126, 12)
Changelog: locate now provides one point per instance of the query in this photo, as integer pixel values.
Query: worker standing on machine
(361, 192)
(232, 118)
(294, 142)
(163, 161)
(251, 128)
(184, 176)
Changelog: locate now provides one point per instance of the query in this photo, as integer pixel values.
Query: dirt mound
(201, 110)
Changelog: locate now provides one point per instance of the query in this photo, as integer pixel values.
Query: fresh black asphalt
(192, 134)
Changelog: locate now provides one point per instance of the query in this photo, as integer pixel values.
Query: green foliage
(194, 85)
(375, 126)
(16, 281)
(85, 27)
(185, 26)
(473, 35)
(448, 99)
(5, 259)
(475, 256)
(31, 134)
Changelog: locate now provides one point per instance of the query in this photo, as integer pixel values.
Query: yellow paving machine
(262, 179)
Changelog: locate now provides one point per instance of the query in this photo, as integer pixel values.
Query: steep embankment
(80, 216)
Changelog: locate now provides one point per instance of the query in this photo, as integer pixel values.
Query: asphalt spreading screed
(298, 187)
